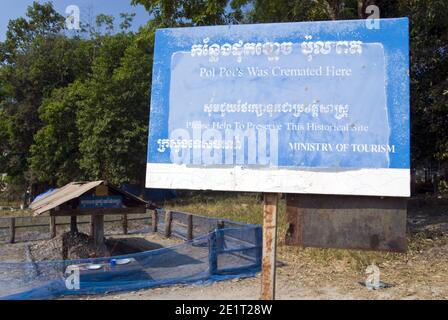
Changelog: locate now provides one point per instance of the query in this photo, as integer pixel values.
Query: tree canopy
(75, 106)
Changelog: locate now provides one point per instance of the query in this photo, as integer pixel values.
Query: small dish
(122, 261)
(94, 266)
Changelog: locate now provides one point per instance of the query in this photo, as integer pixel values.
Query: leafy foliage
(55, 150)
(75, 105)
(113, 117)
(429, 79)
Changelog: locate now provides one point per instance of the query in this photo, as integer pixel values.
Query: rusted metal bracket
(346, 222)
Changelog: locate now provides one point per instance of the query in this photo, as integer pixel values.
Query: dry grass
(248, 208)
(15, 213)
(420, 273)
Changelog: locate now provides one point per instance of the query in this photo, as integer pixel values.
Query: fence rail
(169, 223)
(31, 223)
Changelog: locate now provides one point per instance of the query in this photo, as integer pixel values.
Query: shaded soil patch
(68, 246)
(123, 246)
(74, 246)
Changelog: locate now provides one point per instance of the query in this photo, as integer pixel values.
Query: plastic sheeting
(219, 254)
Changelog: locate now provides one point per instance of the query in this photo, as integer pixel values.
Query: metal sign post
(268, 264)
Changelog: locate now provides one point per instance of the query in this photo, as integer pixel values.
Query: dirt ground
(12, 252)
(420, 276)
(80, 246)
(52, 250)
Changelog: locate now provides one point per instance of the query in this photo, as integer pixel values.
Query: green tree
(48, 64)
(429, 78)
(40, 20)
(126, 22)
(188, 12)
(36, 59)
(106, 21)
(114, 115)
(55, 152)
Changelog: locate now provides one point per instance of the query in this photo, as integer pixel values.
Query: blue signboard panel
(107, 202)
(313, 107)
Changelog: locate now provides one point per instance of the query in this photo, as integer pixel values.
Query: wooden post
(212, 254)
(219, 237)
(92, 229)
(270, 208)
(125, 223)
(98, 230)
(436, 181)
(168, 221)
(155, 220)
(52, 226)
(12, 230)
(189, 226)
(73, 224)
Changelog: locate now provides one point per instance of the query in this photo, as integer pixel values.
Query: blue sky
(12, 9)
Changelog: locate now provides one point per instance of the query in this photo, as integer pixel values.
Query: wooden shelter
(96, 199)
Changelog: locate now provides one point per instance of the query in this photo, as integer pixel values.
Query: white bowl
(122, 261)
(94, 266)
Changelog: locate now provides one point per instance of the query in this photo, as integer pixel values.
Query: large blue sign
(315, 107)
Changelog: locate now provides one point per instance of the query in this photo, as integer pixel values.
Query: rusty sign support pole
(270, 209)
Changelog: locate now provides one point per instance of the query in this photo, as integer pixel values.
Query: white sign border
(363, 182)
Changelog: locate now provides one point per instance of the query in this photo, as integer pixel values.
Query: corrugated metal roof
(70, 191)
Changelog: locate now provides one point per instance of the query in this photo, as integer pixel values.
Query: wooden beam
(12, 230)
(91, 227)
(73, 224)
(98, 230)
(168, 221)
(99, 211)
(125, 223)
(189, 226)
(155, 220)
(268, 263)
(52, 226)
